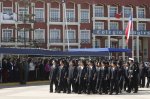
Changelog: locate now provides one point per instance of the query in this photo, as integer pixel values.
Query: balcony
(6, 40)
(54, 19)
(39, 20)
(71, 40)
(39, 40)
(84, 20)
(85, 41)
(70, 19)
(55, 41)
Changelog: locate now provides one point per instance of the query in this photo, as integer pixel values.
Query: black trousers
(142, 81)
(70, 83)
(91, 86)
(114, 86)
(62, 86)
(82, 86)
(148, 82)
(103, 86)
(53, 82)
(126, 84)
(133, 84)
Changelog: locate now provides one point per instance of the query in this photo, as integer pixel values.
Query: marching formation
(97, 77)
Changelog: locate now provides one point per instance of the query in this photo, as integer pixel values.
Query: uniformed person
(62, 77)
(114, 78)
(82, 77)
(53, 76)
(91, 80)
(70, 79)
(103, 78)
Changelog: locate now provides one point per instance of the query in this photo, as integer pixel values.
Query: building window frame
(73, 36)
(22, 37)
(99, 27)
(57, 17)
(86, 37)
(22, 13)
(9, 35)
(41, 36)
(139, 12)
(55, 38)
(127, 12)
(70, 18)
(40, 17)
(114, 24)
(101, 10)
(140, 29)
(85, 19)
(112, 11)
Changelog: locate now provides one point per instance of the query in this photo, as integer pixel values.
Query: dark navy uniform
(91, 79)
(53, 77)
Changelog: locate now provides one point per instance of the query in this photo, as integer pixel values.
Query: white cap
(131, 59)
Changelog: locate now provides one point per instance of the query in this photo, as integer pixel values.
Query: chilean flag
(128, 30)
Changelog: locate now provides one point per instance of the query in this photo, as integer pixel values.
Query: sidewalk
(17, 84)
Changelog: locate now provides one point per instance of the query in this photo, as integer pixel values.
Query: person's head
(114, 64)
(131, 60)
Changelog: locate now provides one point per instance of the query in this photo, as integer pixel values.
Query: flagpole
(66, 26)
(132, 34)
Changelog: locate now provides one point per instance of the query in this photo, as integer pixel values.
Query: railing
(55, 41)
(84, 20)
(70, 19)
(99, 15)
(39, 40)
(71, 40)
(39, 19)
(85, 41)
(54, 19)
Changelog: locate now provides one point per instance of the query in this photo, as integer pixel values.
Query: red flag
(118, 15)
(128, 30)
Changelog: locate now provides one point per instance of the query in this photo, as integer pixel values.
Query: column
(0, 24)
(64, 18)
(137, 48)
(79, 14)
(109, 45)
(32, 24)
(94, 40)
(48, 39)
(124, 44)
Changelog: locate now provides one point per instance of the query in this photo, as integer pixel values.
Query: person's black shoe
(135, 92)
(110, 93)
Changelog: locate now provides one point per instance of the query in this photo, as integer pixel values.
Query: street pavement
(42, 92)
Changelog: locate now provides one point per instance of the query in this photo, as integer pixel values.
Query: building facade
(55, 25)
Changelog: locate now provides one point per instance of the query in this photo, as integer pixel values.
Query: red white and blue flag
(128, 30)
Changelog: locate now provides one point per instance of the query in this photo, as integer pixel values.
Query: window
(55, 36)
(23, 35)
(99, 11)
(70, 34)
(39, 35)
(127, 12)
(106, 43)
(39, 14)
(84, 16)
(7, 35)
(54, 15)
(141, 12)
(113, 11)
(7, 10)
(85, 36)
(113, 25)
(22, 13)
(97, 43)
(70, 15)
(141, 26)
(99, 25)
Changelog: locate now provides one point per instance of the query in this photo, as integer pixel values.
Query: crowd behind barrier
(78, 75)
